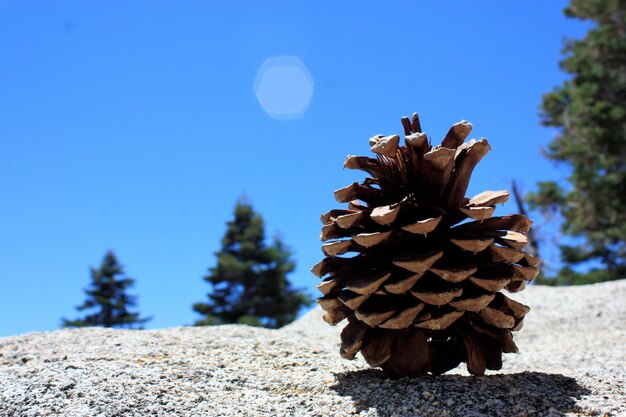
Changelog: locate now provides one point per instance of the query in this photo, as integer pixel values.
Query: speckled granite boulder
(571, 363)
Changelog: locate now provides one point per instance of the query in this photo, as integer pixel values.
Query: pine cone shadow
(526, 393)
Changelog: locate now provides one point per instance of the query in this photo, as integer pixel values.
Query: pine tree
(249, 283)
(590, 112)
(107, 297)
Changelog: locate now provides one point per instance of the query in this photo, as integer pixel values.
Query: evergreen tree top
(249, 281)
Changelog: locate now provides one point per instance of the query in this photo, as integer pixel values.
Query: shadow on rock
(527, 393)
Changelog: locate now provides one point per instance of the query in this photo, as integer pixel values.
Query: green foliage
(567, 276)
(590, 112)
(108, 297)
(249, 283)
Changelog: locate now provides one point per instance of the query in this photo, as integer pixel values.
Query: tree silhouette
(249, 283)
(108, 299)
(590, 112)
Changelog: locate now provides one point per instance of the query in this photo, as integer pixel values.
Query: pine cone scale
(489, 198)
(474, 245)
(453, 274)
(367, 283)
(472, 304)
(438, 298)
(401, 284)
(418, 263)
(377, 345)
(440, 322)
(403, 319)
(457, 134)
(410, 354)
(469, 158)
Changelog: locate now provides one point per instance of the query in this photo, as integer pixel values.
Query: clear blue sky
(134, 126)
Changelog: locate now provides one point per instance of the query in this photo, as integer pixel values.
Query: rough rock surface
(571, 362)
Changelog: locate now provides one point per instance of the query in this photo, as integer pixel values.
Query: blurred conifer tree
(590, 111)
(107, 296)
(249, 283)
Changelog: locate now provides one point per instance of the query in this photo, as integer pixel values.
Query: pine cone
(421, 292)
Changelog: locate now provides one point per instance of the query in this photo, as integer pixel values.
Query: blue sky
(135, 126)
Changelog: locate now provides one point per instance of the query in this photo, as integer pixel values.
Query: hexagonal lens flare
(284, 87)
